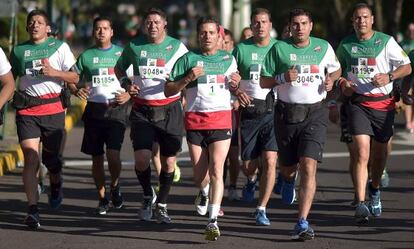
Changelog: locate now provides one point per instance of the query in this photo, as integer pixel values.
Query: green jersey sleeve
(411, 56)
(340, 54)
(126, 58)
(180, 69)
(270, 62)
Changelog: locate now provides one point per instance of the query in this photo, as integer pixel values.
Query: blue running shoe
(374, 206)
(261, 218)
(248, 191)
(279, 184)
(303, 231)
(288, 192)
(361, 214)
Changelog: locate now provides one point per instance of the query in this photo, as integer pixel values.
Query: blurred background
(74, 17)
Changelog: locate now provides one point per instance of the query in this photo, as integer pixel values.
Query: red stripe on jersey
(371, 62)
(160, 63)
(154, 102)
(47, 109)
(314, 69)
(111, 71)
(208, 120)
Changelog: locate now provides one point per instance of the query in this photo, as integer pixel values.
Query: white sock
(162, 204)
(205, 190)
(213, 211)
(261, 208)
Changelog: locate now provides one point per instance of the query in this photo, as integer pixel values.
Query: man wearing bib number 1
(305, 68)
(154, 117)
(371, 61)
(256, 124)
(105, 113)
(208, 75)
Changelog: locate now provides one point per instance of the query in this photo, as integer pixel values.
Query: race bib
(102, 80)
(34, 68)
(255, 73)
(364, 68)
(307, 74)
(211, 85)
(151, 68)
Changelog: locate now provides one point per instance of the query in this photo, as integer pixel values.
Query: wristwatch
(390, 77)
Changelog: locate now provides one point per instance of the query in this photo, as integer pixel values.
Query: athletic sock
(144, 178)
(205, 190)
(213, 211)
(166, 180)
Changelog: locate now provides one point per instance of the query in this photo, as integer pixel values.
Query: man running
(7, 83)
(256, 124)
(43, 65)
(208, 75)
(154, 117)
(305, 68)
(371, 61)
(105, 112)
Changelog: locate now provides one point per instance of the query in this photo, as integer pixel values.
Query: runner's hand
(47, 69)
(194, 73)
(291, 74)
(234, 80)
(328, 82)
(346, 87)
(122, 97)
(380, 79)
(133, 90)
(83, 93)
(244, 99)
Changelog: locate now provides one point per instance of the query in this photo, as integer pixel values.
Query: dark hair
(101, 18)
(229, 33)
(207, 19)
(54, 30)
(155, 11)
(359, 6)
(37, 12)
(259, 11)
(300, 12)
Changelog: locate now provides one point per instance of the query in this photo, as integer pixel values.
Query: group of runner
(278, 87)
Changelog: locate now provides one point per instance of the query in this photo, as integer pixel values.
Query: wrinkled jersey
(208, 98)
(312, 63)
(152, 63)
(27, 60)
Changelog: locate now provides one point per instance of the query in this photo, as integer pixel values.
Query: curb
(11, 156)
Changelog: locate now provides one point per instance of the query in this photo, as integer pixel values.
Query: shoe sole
(212, 235)
(201, 213)
(293, 200)
(262, 224)
(361, 220)
(303, 237)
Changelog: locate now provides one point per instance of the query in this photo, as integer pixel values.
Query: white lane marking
(187, 159)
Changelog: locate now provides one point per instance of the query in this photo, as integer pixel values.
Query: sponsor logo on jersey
(118, 53)
(200, 63)
(169, 47)
(226, 57)
(317, 49)
(378, 42)
(95, 60)
(143, 53)
(27, 53)
(254, 56)
(354, 50)
(52, 44)
(293, 57)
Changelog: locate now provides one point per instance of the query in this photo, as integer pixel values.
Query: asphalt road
(76, 226)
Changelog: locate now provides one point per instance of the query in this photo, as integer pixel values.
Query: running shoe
(279, 184)
(354, 202)
(177, 173)
(288, 192)
(201, 203)
(374, 205)
(116, 197)
(385, 179)
(361, 214)
(103, 207)
(56, 197)
(41, 187)
(303, 231)
(212, 231)
(32, 220)
(248, 191)
(161, 214)
(232, 194)
(146, 208)
(261, 218)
